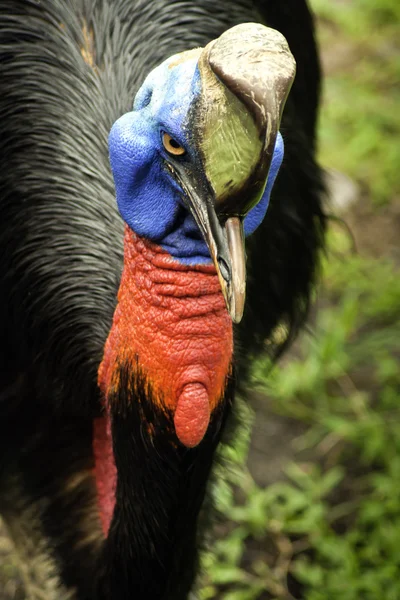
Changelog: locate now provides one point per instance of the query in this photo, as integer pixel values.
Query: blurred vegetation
(330, 527)
(360, 121)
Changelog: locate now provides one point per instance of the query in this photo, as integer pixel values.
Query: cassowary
(118, 357)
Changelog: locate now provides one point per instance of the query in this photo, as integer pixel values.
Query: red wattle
(192, 414)
(172, 323)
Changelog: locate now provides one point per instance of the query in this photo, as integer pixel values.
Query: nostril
(224, 269)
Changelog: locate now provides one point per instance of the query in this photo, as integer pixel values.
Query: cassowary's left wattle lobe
(171, 326)
(171, 323)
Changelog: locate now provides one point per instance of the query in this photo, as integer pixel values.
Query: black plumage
(68, 69)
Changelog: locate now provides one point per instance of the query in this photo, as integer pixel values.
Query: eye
(172, 146)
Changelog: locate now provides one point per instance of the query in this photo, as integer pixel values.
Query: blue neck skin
(149, 199)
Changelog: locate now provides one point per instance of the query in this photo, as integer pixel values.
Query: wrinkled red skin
(170, 319)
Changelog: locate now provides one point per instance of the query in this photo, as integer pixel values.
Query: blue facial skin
(149, 199)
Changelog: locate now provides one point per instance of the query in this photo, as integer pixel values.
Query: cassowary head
(194, 164)
(198, 155)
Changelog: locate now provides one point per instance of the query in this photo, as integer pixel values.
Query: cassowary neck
(163, 376)
(171, 321)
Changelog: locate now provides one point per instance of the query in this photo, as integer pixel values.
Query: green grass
(360, 120)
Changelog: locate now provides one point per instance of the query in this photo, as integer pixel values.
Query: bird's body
(110, 504)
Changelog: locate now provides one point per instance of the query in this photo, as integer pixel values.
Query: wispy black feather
(61, 253)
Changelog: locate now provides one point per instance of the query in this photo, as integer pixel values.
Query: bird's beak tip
(237, 254)
(231, 269)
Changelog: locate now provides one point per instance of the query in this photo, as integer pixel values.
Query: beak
(225, 241)
(246, 75)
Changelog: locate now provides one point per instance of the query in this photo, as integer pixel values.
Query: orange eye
(172, 146)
